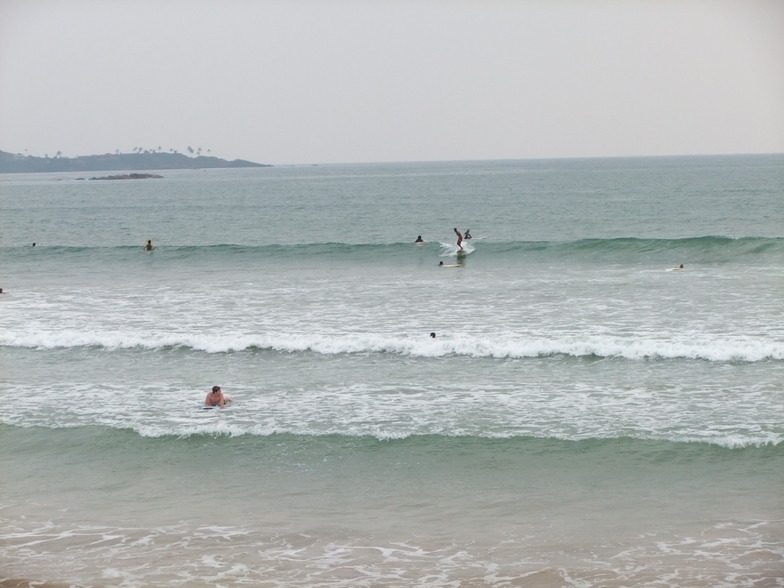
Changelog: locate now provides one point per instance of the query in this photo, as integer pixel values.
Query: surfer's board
(226, 404)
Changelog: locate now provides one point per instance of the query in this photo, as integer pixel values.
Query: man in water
(216, 398)
(419, 240)
(459, 238)
(149, 246)
(467, 235)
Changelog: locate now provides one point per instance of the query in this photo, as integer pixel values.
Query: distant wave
(704, 249)
(700, 348)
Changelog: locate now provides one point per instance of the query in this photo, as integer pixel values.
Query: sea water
(587, 414)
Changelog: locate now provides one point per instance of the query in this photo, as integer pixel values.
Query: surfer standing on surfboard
(459, 238)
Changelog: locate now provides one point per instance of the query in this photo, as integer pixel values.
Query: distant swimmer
(432, 335)
(216, 398)
(1, 291)
(459, 238)
(467, 234)
(419, 240)
(149, 246)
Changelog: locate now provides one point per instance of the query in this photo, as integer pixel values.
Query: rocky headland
(148, 160)
(127, 177)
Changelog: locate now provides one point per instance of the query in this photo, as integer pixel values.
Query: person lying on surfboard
(459, 238)
(216, 398)
(420, 240)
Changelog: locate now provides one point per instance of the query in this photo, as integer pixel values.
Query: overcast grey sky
(318, 81)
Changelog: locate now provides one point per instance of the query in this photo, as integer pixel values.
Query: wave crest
(496, 347)
(704, 248)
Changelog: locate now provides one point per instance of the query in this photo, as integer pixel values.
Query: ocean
(588, 413)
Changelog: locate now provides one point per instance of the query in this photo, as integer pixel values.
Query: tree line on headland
(139, 159)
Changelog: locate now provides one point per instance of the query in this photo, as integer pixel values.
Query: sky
(345, 81)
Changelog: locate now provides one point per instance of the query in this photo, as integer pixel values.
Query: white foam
(736, 553)
(700, 347)
(564, 410)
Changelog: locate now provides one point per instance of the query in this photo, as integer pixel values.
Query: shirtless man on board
(216, 398)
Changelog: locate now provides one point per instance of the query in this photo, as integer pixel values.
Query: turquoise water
(587, 414)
